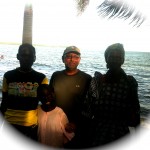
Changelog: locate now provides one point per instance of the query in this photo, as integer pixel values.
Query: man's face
(26, 58)
(71, 61)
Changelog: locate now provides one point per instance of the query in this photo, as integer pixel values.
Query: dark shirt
(69, 91)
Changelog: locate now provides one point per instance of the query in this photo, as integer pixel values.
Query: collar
(18, 69)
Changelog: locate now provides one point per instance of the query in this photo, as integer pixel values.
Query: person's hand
(70, 127)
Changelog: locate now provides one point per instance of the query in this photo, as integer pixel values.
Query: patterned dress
(109, 104)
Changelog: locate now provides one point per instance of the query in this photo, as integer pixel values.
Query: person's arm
(134, 101)
(45, 80)
(3, 107)
(91, 95)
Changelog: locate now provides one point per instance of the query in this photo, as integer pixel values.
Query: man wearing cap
(70, 86)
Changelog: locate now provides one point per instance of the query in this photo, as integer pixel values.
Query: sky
(57, 23)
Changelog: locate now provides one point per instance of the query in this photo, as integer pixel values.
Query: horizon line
(63, 46)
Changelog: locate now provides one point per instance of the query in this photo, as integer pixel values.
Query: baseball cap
(71, 49)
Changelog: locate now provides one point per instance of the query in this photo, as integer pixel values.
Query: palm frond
(81, 5)
(120, 9)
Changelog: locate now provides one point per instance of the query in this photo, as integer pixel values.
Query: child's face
(47, 96)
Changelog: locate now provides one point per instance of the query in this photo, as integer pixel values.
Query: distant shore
(43, 45)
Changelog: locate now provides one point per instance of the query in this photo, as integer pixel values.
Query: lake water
(49, 60)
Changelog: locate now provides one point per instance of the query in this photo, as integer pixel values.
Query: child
(53, 126)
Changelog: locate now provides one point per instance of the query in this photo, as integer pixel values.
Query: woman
(112, 100)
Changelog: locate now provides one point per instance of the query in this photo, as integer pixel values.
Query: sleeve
(134, 102)
(95, 85)
(45, 81)
(92, 95)
(4, 85)
(4, 96)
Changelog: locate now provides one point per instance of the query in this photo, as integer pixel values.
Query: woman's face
(114, 60)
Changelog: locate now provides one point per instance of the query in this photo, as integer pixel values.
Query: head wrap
(114, 47)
